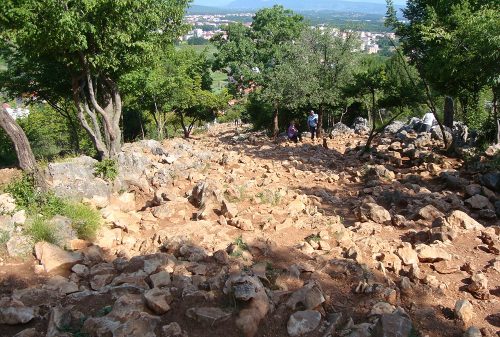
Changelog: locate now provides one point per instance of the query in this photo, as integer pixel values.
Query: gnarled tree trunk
(22, 146)
(449, 112)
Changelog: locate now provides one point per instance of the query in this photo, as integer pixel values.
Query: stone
(229, 210)
(393, 325)
(430, 212)
(63, 229)
(382, 308)
(303, 322)
(55, 259)
(62, 285)
(310, 296)
(473, 332)
(75, 179)
(464, 311)
(374, 212)
(379, 172)
(173, 330)
(479, 202)
(20, 245)
(431, 253)
(491, 180)
(19, 218)
(199, 194)
(158, 300)
(7, 204)
(208, 315)
(472, 189)
(160, 279)
(221, 256)
(14, 312)
(479, 286)
(460, 219)
(31, 332)
(407, 254)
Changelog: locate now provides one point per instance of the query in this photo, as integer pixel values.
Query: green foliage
(4, 237)
(107, 169)
(85, 220)
(197, 41)
(41, 230)
(41, 207)
(23, 191)
(270, 197)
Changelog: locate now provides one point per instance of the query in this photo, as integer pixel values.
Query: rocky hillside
(233, 235)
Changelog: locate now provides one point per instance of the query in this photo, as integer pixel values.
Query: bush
(23, 191)
(86, 220)
(41, 230)
(107, 169)
(43, 206)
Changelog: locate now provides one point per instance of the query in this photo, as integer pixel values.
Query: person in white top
(427, 121)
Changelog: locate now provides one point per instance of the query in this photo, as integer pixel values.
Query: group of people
(294, 135)
(312, 124)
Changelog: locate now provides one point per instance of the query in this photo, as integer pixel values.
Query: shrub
(23, 191)
(4, 237)
(86, 220)
(41, 230)
(107, 169)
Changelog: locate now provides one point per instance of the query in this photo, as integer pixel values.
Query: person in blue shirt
(312, 123)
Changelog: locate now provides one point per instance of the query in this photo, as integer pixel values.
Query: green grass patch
(41, 207)
(42, 230)
(86, 220)
(269, 197)
(107, 169)
(4, 237)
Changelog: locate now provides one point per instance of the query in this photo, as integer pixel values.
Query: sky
(215, 3)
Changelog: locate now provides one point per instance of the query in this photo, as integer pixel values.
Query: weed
(104, 311)
(41, 230)
(4, 237)
(241, 194)
(107, 169)
(313, 237)
(240, 243)
(86, 220)
(23, 191)
(269, 197)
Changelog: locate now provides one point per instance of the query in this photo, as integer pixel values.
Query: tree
(91, 45)
(324, 60)
(22, 146)
(455, 45)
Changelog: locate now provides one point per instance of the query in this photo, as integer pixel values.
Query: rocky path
(231, 234)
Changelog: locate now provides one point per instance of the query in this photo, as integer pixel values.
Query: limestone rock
(407, 254)
(208, 315)
(460, 219)
(430, 212)
(7, 203)
(14, 312)
(473, 332)
(303, 322)
(160, 279)
(173, 330)
(20, 245)
(229, 210)
(393, 325)
(464, 311)
(158, 300)
(374, 212)
(431, 253)
(55, 259)
(479, 202)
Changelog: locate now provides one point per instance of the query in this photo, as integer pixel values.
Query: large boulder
(75, 179)
(395, 127)
(360, 126)
(438, 135)
(303, 322)
(491, 180)
(14, 312)
(340, 129)
(375, 213)
(55, 259)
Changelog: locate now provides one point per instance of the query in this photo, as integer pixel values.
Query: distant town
(206, 26)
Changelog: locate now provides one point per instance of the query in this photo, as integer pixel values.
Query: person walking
(312, 123)
(427, 122)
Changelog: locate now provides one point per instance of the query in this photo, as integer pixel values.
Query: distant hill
(316, 5)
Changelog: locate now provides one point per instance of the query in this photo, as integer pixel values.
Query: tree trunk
(22, 146)
(449, 112)
(495, 112)
(275, 122)
(319, 131)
